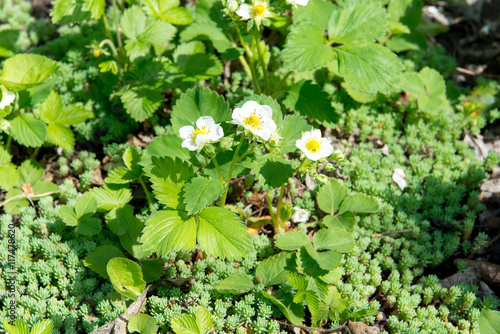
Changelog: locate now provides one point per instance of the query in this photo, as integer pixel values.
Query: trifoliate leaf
(201, 323)
(196, 103)
(168, 10)
(200, 192)
(293, 128)
(8, 176)
(42, 327)
(306, 48)
(273, 172)
(368, 67)
(178, 15)
(344, 221)
(131, 158)
(429, 88)
(331, 195)
(195, 63)
(222, 234)
(108, 199)
(95, 7)
(61, 135)
(27, 130)
(68, 11)
(81, 215)
(207, 31)
(309, 264)
(235, 284)
(133, 22)
(98, 259)
(292, 240)
(168, 177)
(23, 71)
(360, 203)
(141, 102)
(126, 277)
(333, 239)
(357, 21)
(131, 240)
(273, 270)
(316, 11)
(120, 219)
(310, 101)
(169, 231)
(158, 32)
(407, 12)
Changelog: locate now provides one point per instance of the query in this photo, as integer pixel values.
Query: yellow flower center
(253, 121)
(258, 10)
(313, 145)
(96, 53)
(198, 131)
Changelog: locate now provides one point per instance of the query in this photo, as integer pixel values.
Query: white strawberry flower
(232, 5)
(300, 215)
(258, 11)
(255, 118)
(206, 132)
(314, 146)
(297, 2)
(7, 98)
(398, 177)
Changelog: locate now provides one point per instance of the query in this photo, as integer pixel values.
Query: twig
(29, 197)
(340, 328)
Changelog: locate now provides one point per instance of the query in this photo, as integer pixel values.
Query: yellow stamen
(258, 10)
(253, 121)
(313, 145)
(198, 131)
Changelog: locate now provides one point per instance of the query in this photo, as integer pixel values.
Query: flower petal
(202, 139)
(189, 144)
(316, 133)
(238, 115)
(301, 145)
(245, 11)
(205, 121)
(266, 111)
(216, 132)
(186, 132)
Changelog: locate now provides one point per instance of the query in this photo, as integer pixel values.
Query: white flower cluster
(257, 119)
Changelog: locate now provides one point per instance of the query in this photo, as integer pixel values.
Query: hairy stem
(230, 172)
(271, 212)
(278, 207)
(262, 62)
(253, 72)
(106, 25)
(148, 194)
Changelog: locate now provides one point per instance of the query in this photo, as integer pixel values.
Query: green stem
(217, 167)
(9, 140)
(253, 72)
(230, 172)
(35, 153)
(148, 194)
(271, 212)
(118, 34)
(278, 207)
(245, 66)
(125, 308)
(262, 62)
(109, 43)
(106, 24)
